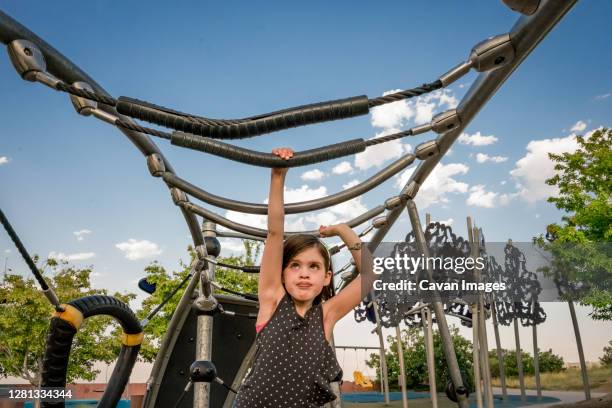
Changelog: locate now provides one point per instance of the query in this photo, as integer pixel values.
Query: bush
(415, 359)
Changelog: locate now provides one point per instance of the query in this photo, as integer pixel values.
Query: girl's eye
(294, 265)
(315, 266)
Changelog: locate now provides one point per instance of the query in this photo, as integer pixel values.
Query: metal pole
(400, 354)
(476, 339)
(583, 368)
(429, 351)
(500, 353)
(383, 361)
(447, 341)
(536, 361)
(483, 340)
(201, 390)
(519, 359)
(476, 356)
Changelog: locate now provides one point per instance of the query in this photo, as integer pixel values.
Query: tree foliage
(606, 359)
(165, 282)
(580, 244)
(549, 363)
(415, 359)
(24, 322)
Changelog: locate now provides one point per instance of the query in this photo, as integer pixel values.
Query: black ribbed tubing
(260, 159)
(259, 125)
(59, 342)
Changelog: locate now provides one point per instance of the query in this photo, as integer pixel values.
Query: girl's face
(305, 275)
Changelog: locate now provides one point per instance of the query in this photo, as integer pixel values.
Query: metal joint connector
(527, 7)
(27, 59)
(379, 222)
(156, 165)
(83, 106)
(391, 203)
(411, 190)
(200, 251)
(417, 130)
(427, 150)
(455, 73)
(178, 196)
(492, 53)
(104, 116)
(445, 121)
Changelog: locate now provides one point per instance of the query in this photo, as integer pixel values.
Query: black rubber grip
(107, 305)
(57, 353)
(256, 158)
(258, 125)
(119, 377)
(250, 269)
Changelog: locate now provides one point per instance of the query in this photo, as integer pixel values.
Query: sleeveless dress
(293, 363)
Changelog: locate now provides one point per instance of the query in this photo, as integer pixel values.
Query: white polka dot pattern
(293, 363)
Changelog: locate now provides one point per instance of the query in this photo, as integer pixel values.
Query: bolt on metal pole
(536, 361)
(447, 341)
(383, 361)
(429, 352)
(583, 368)
(201, 390)
(400, 354)
(500, 353)
(519, 359)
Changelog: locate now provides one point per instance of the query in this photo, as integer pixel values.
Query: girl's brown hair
(295, 244)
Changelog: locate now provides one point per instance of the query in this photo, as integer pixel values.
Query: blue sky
(61, 173)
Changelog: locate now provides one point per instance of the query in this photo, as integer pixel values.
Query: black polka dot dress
(293, 363)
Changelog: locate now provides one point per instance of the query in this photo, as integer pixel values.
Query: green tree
(606, 359)
(165, 282)
(24, 323)
(580, 243)
(549, 363)
(415, 359)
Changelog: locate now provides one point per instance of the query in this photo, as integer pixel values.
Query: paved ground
(552, 398)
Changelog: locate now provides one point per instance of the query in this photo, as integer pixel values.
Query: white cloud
(603, 96)
(232, 245)
(392, 115)
(503, 182)
(4, 160)
(483, 158)
(80, 256)
(342, 168)
(138, 249)
(438, 185)
(535, 167)
(477, 139)
(80, 234)
(578, 126)
(301, 222)
(350, 184)
(312, 175)
(377, 155)
(7, 251)
(479, 197)
(448, 222)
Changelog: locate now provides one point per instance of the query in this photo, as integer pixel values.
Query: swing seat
(361, 381)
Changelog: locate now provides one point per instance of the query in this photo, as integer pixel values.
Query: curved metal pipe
(67, 71)
(292, 208)
(259, 232)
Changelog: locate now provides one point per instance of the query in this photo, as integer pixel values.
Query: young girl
(294, 362)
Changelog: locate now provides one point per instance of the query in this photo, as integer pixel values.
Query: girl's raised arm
(270, 284)
(342, 303)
